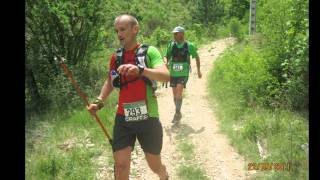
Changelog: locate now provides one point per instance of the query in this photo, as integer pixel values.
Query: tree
(73, 28)
(207, 11)
(238, 8)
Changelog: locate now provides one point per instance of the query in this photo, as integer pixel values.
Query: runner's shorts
(178, 80)
(148, 132)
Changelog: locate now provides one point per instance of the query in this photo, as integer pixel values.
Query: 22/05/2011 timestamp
(268, 166)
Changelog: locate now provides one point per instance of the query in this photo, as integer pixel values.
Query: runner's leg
(174, 92)
(155, 164)
(178, 97)
(122, 163)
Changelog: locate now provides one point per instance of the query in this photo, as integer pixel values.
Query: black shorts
(178, 80)
(148, 132)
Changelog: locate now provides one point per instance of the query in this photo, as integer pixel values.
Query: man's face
(126, 32)
(178, 36)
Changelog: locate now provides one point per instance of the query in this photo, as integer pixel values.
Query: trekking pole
(81, 94)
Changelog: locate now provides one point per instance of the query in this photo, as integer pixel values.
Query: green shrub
(285, 25)
(243, 75)
(222, 31)
(187, 172)
(234, 27)
(244, 90)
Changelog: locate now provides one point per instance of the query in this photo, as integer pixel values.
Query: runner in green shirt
(177, 58)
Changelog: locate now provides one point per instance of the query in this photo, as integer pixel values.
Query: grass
(284, 133)
(187, 150)
(191, 172)
(60, 146)
(188, 168)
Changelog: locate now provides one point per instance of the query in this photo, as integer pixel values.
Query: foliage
(72, 29)
(295, 66)
(244, 75)
(60, 146)
(187, 172)
(238, 8)
(284, 25)
(187, 150)
(237, 29)
(244, 91)
(207, 11)
(188, 166)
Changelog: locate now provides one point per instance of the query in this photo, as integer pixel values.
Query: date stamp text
(268, 166)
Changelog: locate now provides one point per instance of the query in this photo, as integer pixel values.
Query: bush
(234, 26)
(244, 75)
(244, 89)
(284, 25)
(237, 29)
(222, 31)
(159, 37)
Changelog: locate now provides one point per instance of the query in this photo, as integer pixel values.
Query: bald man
(133, 68)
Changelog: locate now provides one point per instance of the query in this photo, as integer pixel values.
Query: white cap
(178, 29)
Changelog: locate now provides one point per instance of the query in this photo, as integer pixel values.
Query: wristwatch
(141, 69)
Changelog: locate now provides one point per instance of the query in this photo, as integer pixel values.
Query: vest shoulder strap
(186, 50)
(141, 55)
(185, 46)
(119, 54)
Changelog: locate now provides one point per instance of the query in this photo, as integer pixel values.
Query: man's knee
(156, 168)
(154, 162)
(122, 165)
(179, 90)
(122, 159)
(160, 170)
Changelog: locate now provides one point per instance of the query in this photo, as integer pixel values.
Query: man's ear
(135, 29)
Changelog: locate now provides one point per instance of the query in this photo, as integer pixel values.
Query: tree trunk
(33, 88)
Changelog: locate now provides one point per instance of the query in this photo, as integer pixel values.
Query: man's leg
(177, 98)
(154, 162)
(122, 163)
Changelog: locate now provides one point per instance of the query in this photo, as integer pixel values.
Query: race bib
(136, 111)
(177, 67)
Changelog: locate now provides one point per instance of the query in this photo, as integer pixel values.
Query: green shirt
(154, 60)
(185, 66)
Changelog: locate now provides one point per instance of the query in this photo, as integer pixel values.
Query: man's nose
(119, 34)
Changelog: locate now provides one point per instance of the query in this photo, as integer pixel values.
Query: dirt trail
(212, 149)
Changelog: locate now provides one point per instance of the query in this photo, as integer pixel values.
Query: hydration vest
(180, 54)
(140, 58)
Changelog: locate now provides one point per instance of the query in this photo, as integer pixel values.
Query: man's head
(178, 34)
(127, 28)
